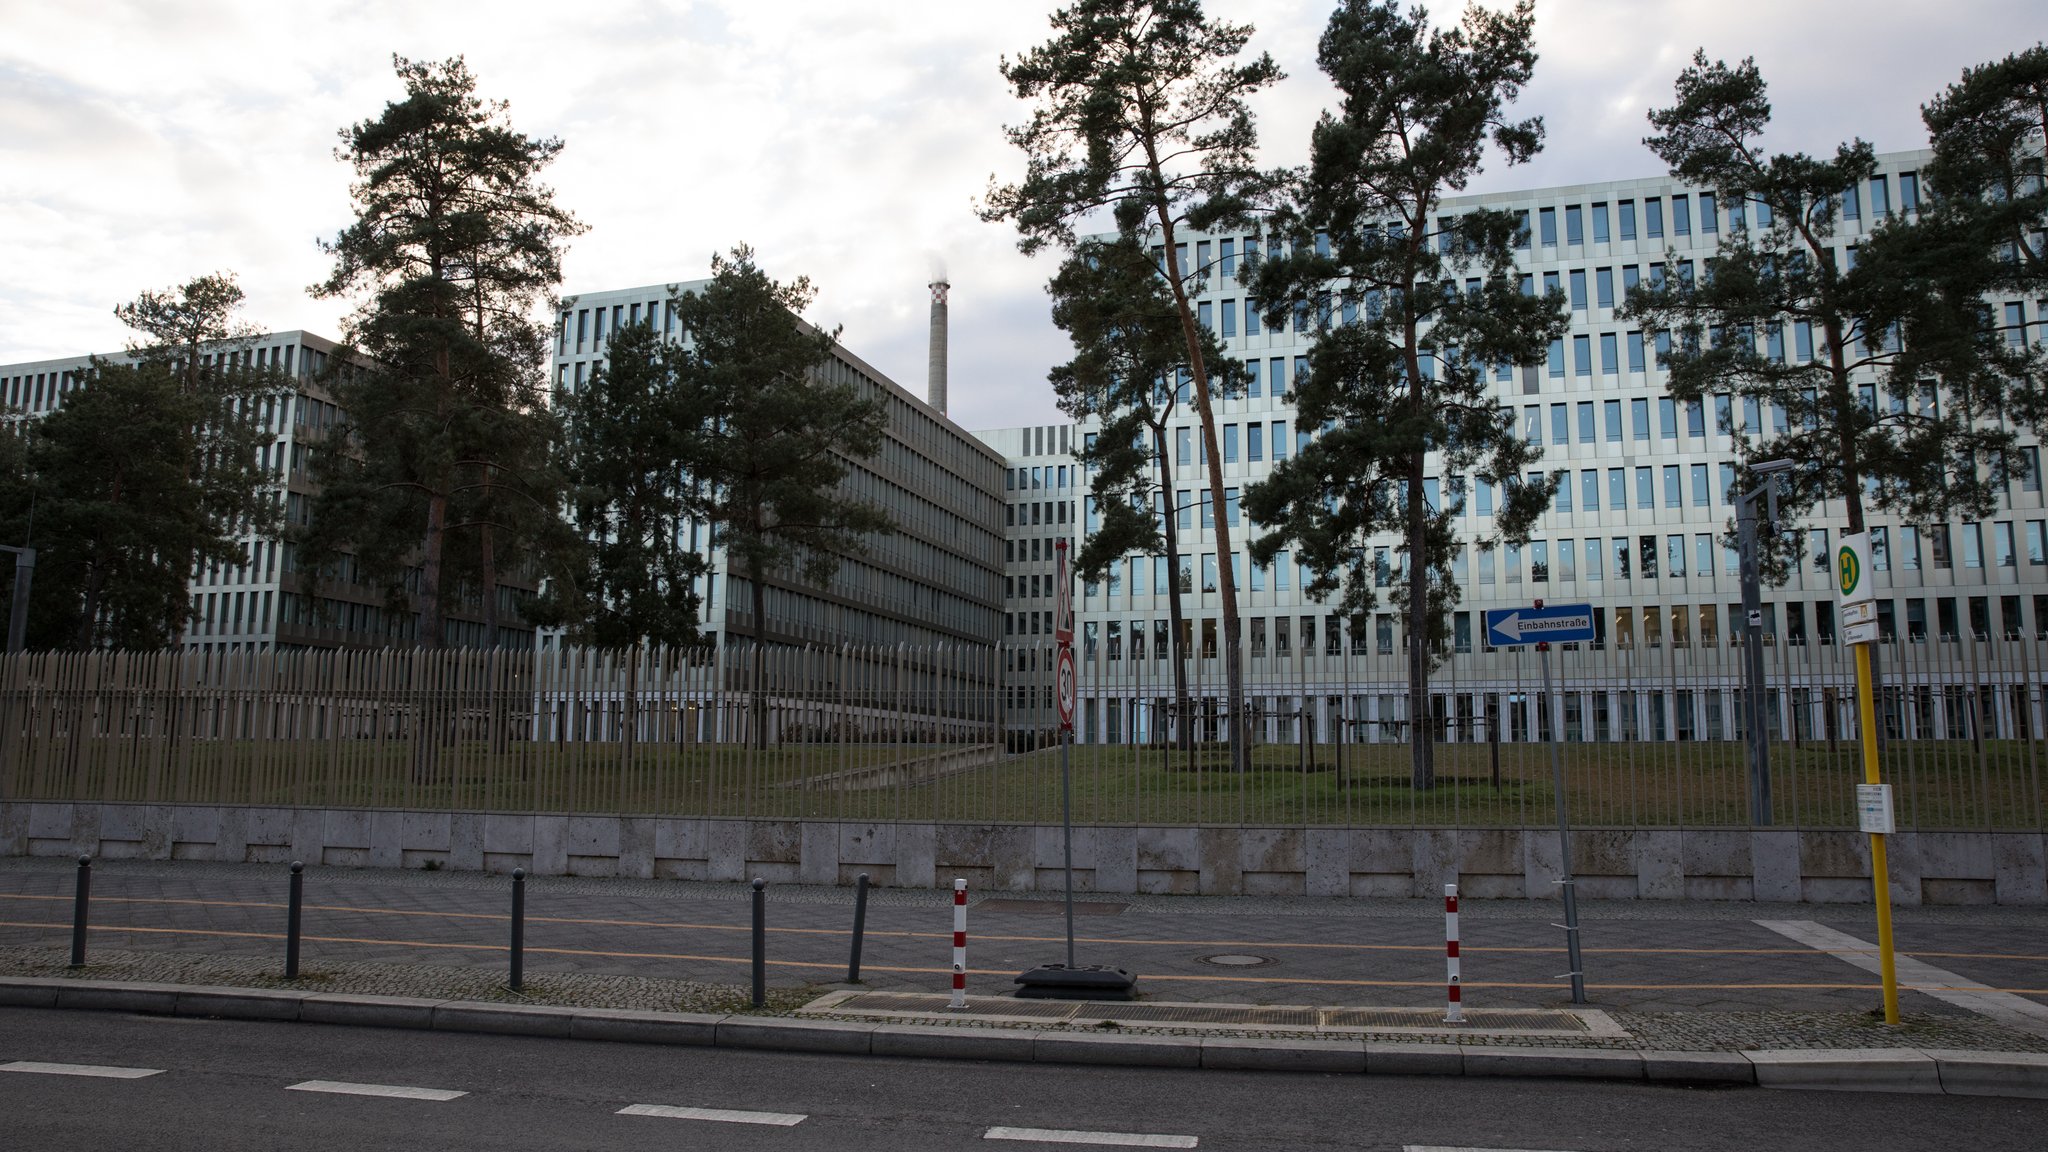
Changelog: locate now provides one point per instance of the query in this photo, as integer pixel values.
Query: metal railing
(1653, 734)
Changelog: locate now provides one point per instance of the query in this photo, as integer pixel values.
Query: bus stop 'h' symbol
(1848, 570)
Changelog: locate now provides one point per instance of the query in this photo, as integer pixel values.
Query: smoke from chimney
(935, 373)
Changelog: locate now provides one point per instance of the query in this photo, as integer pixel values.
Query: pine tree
(1143, 110)
(1417, 311)
(153, 468)
(767, 436)
(1884, 382)
(1129, 373)
(442, 461)
(622, 455)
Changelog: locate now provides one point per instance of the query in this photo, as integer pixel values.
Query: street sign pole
(1541, 626)
(1859, 630)
(1569, 885)
(1067, 687)
(1070, 981)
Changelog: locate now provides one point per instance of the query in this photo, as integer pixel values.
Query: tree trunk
(1233, 653)
(488, 560)
(432, 619)
(95, 587)
(1421, 734)
(759, 705)
(1184, 726)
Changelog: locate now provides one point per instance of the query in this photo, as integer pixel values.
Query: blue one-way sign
(1557, 623)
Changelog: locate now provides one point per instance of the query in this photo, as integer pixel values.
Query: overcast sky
(145, 143)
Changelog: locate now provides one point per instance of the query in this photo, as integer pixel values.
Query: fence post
(518, 929)
(291, 920)
(80, 901)
(760, 942)
(860, 926)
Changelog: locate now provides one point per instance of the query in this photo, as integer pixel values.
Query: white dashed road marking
(1446, 1148)
(102, 1070)
(399, 1091)
(722, 1115)
(1111, 1139)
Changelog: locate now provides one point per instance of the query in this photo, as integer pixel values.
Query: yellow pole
(1880, 871)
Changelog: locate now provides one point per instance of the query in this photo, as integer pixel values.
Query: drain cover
(1237, 960)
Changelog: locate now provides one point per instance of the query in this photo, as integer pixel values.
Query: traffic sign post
(1063, 632)
(1066, 687)
(1558, 624)
(1538, 625)
(1095, 982)
(1859, 631)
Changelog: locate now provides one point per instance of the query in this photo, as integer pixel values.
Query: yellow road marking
(117, 929)
(683, 925)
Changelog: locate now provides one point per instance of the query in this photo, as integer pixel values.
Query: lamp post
(1752, 639)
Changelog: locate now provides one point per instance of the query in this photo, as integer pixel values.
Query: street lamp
(1753, 615)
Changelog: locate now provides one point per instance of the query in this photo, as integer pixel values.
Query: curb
(1911, 1070)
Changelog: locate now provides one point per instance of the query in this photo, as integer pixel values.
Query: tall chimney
(936, 370)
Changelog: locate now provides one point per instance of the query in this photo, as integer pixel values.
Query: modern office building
(1042, 490)
(265, 603)
(936, 580)
(1636, 528)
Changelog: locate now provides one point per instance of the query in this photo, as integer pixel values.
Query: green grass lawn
(1947, 784)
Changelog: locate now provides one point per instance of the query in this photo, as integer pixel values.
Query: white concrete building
(936, 580)
(1635, 529)
(263, 603)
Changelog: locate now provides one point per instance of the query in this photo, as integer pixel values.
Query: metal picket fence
(1652, 734)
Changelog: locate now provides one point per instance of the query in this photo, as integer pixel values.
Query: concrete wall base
(1776, 865)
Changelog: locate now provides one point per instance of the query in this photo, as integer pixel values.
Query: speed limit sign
(1066, 688)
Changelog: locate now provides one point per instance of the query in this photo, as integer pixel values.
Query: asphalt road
(227, 1085)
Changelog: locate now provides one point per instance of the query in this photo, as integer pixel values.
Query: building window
(1599, 223)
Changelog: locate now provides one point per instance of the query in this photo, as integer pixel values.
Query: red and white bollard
(1456, 1011)
(959, 944)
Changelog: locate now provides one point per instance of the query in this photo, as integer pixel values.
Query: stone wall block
(819, 848)
(916, 852)
(636, 847)
(1221, 861)
(2019, 866)
(1660, 864)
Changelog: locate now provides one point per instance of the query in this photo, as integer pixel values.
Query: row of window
(1603, 221)
(1623, 626)
(590, 324)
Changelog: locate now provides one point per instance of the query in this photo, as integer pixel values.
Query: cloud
(142, 143)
